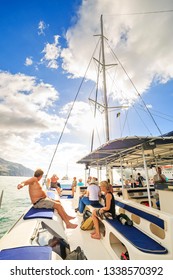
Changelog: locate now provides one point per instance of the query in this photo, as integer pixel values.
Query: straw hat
(93, 181)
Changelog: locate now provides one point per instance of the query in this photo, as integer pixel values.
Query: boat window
(136, 219)
(159, 232)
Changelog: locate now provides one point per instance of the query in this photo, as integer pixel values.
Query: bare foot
(93, 233)
(70, 225)
(96, 236)
(70, 217)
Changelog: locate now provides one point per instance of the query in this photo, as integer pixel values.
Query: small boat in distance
(65, 178)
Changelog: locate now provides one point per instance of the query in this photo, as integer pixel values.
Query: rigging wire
(140, 13)
(162, 117)
(167, 117)
(122, 127)
(68, 116)
(96, 98)
(136, 90)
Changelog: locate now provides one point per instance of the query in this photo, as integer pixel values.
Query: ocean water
(14, 201)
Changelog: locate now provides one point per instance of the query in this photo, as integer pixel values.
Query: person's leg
(72, 190)
(64, 215)
(83, 202)
(96, 233)
(49, 203)
(77, 209)
(158, 204)
(58, 190)
(95, 204)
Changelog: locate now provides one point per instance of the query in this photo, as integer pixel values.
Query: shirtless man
(39, 198)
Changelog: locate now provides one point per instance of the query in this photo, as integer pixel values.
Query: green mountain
(8, 168)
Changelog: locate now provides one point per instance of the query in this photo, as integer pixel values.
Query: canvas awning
(128, 152)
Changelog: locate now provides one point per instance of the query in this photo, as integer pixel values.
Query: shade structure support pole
(122, 180)
(147, 178)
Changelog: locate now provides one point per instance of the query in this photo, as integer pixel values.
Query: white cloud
(52, 53)
(28, 61)
(29, 132)
(41, 27)
(142, 43)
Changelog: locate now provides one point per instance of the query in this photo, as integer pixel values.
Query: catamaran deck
(93, 249)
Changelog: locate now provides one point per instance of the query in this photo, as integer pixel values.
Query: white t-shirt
(94, 191)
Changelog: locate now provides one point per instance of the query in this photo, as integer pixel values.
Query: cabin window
(159, 232)
(136, 219)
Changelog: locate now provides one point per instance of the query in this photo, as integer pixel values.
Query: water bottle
(122, 220)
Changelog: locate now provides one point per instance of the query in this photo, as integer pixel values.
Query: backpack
(77, 254)
(87, 213)
(87, 224)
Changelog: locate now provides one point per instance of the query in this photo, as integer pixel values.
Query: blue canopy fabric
(129, 149)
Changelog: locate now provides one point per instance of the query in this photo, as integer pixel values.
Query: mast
(104, 83)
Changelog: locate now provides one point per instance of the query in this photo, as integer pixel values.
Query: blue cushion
(153, 219)
(66, 196)
(35, 213)
(139, 239)
(27, 253)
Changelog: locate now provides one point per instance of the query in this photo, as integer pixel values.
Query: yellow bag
(87, 224)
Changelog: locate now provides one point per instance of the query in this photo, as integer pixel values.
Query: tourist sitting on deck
(54, 184)
(132, 182)
(158, 178)
(91, 197)
(109, 207)
(80, 183)
(140, 179)
(39, 198)
(88, 180)
(73, 186)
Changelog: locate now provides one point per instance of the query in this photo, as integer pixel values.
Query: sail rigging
(68, 116)
(102, 67)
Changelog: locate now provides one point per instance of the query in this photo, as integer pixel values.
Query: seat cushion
(139, 239)
(35, 213)
(27, 253)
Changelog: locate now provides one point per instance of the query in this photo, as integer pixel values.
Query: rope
(95, 107)
(136, 90)
(59, 140)
(140, 13)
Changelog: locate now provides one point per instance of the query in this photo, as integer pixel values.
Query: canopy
(128, 152)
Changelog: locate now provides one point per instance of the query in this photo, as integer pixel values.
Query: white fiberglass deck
(93, 249)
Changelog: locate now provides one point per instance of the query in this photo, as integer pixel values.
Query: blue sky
(45, 49)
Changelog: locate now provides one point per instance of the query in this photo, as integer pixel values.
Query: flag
(118, 114)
